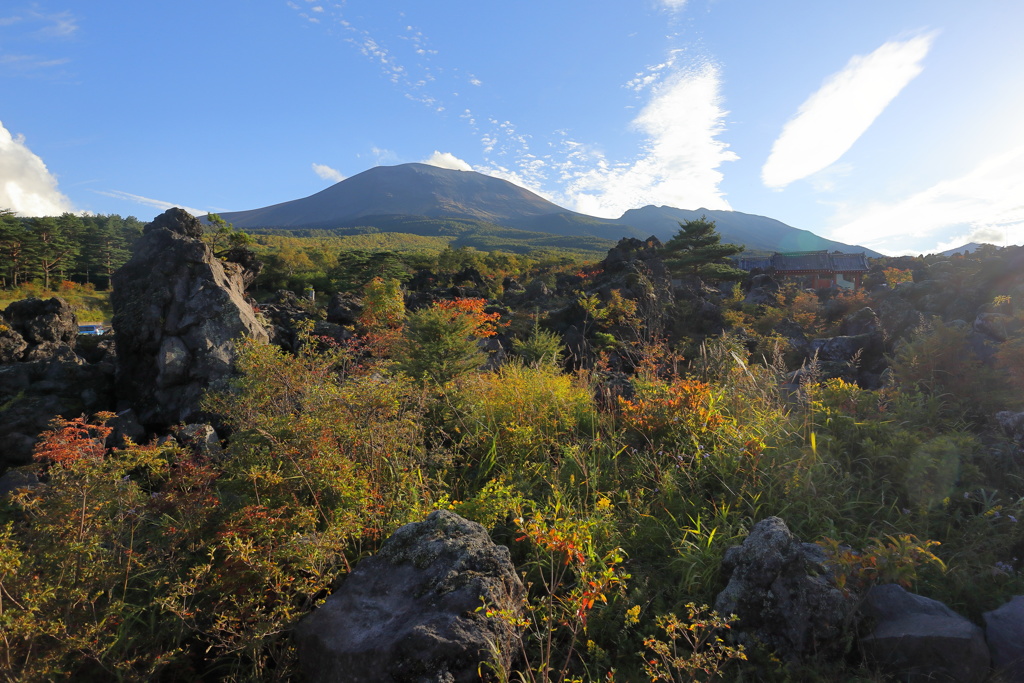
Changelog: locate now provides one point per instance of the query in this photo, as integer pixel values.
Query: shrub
(439, 344)
(942, 363)
(524, 413)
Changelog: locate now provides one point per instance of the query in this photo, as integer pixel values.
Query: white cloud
(26, 186)
(674, 4)
(328, 173)
(644, 79)
(447, 160)
(833, 118)
(988, 200)
(146, 201)
(680, 159)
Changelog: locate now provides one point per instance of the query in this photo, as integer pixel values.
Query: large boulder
(862, 321)
(782, 592)
(34, 393)
(38, 330)
(42, 376)
(410, 613)
(764, 291)
(179, 314)
(1004, 631)
(920, 639)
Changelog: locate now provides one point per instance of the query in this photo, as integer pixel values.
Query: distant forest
(48, 250)
(86, 250)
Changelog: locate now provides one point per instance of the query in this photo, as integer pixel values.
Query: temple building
(815, 269)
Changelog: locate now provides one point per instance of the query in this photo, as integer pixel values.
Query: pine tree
(14, 248)
(697, 251)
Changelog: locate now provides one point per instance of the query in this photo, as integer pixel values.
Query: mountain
(435, 199)
(405, 190)
(757, 233)
(970, 248)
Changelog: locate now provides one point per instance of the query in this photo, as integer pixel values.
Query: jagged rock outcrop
(920, 639)
(37, 330)
(41, 376)
(409, 613)
(1004, 632)
(862, 321)
(782, 592)
(179, 314)
(859, 358)
(762, 290)
(344, 309)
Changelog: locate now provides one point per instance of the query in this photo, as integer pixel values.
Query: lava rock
(920, 639)
(410, 613)
(783, 593)
(179, 315)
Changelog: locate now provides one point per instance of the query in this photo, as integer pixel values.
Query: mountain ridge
(420, 190)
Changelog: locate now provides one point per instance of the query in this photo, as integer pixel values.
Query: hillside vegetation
(631, 434)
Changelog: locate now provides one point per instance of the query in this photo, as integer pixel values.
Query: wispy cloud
(682, 153)
(328, 173)
(447, 160)
(404, 58)
(146, 201)
(831, 120)
(987, 201)
(674, 5)
(26, 186)
(56, 25)
(29, 30)
(384, 156)
(644, 79)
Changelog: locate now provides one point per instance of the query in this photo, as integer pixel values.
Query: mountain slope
(757, 233)
(408, 189)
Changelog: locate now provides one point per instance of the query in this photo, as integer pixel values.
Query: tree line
(51, 249)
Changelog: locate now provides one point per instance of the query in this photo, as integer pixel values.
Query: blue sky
(895, 125)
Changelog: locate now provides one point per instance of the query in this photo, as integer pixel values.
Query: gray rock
(783, 593)
(920, 639)
(344, 309)
(410, 614)
(17, 479)
(33, 393)
(40, 321)
(1004, 631)
(764, 291)
(202, 438)
(12, 345)
(845, 349)
(126, 427)
(863, 321)
(37, 330)
(1012, 425)
(993, 325)
(179, 314)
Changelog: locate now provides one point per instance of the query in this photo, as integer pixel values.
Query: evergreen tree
(104, 247)
(697, 251)
(15, 249)
(55, 244)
